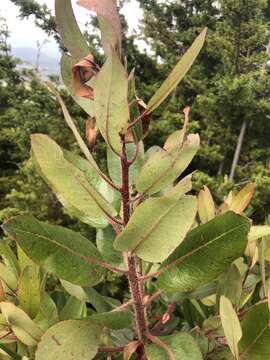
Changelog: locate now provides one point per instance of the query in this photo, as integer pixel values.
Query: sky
(24, 33)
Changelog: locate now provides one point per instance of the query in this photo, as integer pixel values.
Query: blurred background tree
(227, 90)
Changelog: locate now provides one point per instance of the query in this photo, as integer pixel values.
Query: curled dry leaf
(91, 132)
(107, 10)
(82, 72)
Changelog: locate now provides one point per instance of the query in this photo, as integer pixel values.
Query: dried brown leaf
(106, 9)
(91, 132)
(82, 72)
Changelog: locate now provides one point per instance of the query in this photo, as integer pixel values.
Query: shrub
(197, 285)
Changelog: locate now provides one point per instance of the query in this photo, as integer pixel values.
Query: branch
(153, 297)
(140, 117)
(133, 276)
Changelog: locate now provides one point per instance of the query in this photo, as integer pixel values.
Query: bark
(238, 150)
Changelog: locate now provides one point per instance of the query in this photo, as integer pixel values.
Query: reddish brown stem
(133, 276)
(140, 117)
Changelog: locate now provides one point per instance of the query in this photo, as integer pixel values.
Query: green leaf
(104, 239)
(29, 290)
(163, 167)
(206, 205)
(23, 259)
(69, 30)
(111, 105)
(114, 320)
(91, 296)
(8, 276)
(254, 344)
(182, 345)
(93, 177)
(23, 327)
(11, 353)
(258, 232)
(181, 188)
(65, 253)
(230, 285)
(73, 309)
(9, 257)
(157, 227)
(48, 313)
(206, 252)
(231, 325)
(66, 64)
(177, 73)
(73, 128)
(108, 39)
(69, 183)
(69, 340)
(242, 199)
(114, 164)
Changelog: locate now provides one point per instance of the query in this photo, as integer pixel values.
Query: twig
(134, 157)
(153, 297)
(140, 117)
(123, 306)
(165, 317)
(6, 334)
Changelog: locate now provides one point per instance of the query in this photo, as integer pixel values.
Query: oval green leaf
(69, 183)
(164, 167)
(115, 320)
(254, 344)
(65, 253)
(29, 290)
(206, 252)
(23, 327)
(157, 227)
(69, 340)
(231, 325)
(104, 239)
(183, 346)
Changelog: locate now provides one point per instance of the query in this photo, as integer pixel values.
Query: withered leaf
(82, 72)
(107, 10)
(91, 132)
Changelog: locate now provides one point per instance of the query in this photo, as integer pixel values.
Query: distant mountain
(48, 65)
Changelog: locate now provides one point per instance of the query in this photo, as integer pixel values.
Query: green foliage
(166, 217)
(59, 250)
(202, 250)
(198, 284)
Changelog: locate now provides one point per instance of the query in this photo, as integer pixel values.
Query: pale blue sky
(24, 33)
